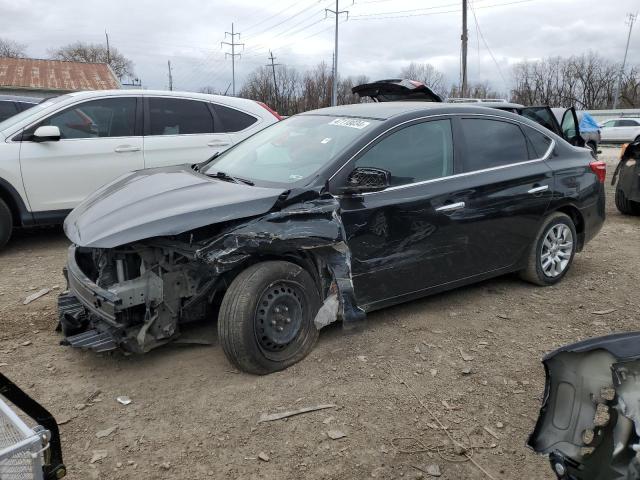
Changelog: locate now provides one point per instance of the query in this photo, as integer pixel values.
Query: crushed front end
(133, 297)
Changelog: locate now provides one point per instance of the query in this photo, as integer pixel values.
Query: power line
(475, 19)
(233, 55)
(275, 84)
(388, 15)
(631, 18)
(334, 83)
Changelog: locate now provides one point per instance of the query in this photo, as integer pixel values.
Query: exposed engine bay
(589, 423)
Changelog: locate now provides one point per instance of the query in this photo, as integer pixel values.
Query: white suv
(56, 153)
(620, 130)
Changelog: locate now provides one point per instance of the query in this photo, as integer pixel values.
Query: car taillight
(600, 169)
(269, 109)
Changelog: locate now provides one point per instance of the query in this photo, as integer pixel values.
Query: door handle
(540, 189)
(450, 207)
(218, 144)
(126, 148)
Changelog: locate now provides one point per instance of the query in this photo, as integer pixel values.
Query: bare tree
(586, 81)
(95, 53)
(12, 49)
(427, 74)
(475, 90)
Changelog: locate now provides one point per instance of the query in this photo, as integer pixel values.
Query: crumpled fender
(307, 220)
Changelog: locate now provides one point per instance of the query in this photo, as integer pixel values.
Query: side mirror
(46, 133)
(367, 179)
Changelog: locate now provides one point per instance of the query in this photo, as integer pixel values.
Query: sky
(378, 38)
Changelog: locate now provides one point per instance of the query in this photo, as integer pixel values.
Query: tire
(626, 206)
(266, 293)
(6, 223)
(538, 273)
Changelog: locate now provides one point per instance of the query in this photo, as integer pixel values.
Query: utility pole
(631, 18)
(464, 38)
(334, 83)
(233, 55)
(273, 70)
(170, 76)
(108, 51)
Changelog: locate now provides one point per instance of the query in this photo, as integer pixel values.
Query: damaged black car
(325, 216)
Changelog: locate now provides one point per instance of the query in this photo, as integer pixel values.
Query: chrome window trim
(465, 174)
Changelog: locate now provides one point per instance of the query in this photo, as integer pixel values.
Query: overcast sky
(378, 39)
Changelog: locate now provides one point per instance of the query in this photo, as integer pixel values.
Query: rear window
(177, 116)
(232, 120)
(492, 143)
(537, 143)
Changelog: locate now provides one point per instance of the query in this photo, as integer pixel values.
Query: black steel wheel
(266, 318)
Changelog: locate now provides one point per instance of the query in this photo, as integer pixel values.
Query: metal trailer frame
(24, 458)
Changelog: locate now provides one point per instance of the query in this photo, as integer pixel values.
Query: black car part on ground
(54, 467)
(397, 89)
(589, 423)
(147, 289)
(626, 178)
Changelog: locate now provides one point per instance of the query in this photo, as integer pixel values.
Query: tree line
(585, 81)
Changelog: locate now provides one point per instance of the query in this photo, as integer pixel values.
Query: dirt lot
(193, 416)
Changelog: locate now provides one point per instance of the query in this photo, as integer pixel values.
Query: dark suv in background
(12, 104)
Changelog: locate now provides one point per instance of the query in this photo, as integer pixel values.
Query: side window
(492, 143)
(107, 117)
(25, 105)
(540, 115)
(7, 109)
(232, 120)
(423, 151)
(569, 127)
(626, 123)
(609, 123)
(537, 143)
(177, 116)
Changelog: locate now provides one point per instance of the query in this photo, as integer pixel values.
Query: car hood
(162, 201)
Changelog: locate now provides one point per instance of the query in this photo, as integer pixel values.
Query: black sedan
(322, 217)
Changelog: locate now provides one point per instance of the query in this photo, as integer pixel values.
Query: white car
(58, 152)
(620, 130)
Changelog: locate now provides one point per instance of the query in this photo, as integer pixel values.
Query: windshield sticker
(350, 122)
(295, 177)
(325, 140)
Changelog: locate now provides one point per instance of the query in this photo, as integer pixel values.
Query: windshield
(31, 111)
(292, 150)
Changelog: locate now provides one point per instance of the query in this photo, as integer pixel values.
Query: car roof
(19, 98)
(387, 110)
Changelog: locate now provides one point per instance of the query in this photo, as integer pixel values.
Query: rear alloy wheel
(266, 318)
(552, 252)
(626, 206)
(6, 224)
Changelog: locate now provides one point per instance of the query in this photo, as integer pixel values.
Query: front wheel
(266, 317)
(552, 251)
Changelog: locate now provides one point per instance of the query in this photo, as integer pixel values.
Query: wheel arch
(578, 221)
(11, 197)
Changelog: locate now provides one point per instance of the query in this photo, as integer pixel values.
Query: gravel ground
(395, 385)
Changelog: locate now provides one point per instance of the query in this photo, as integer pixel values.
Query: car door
(399, 241)
(504, 189)
(180, 130)
(100, 140)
